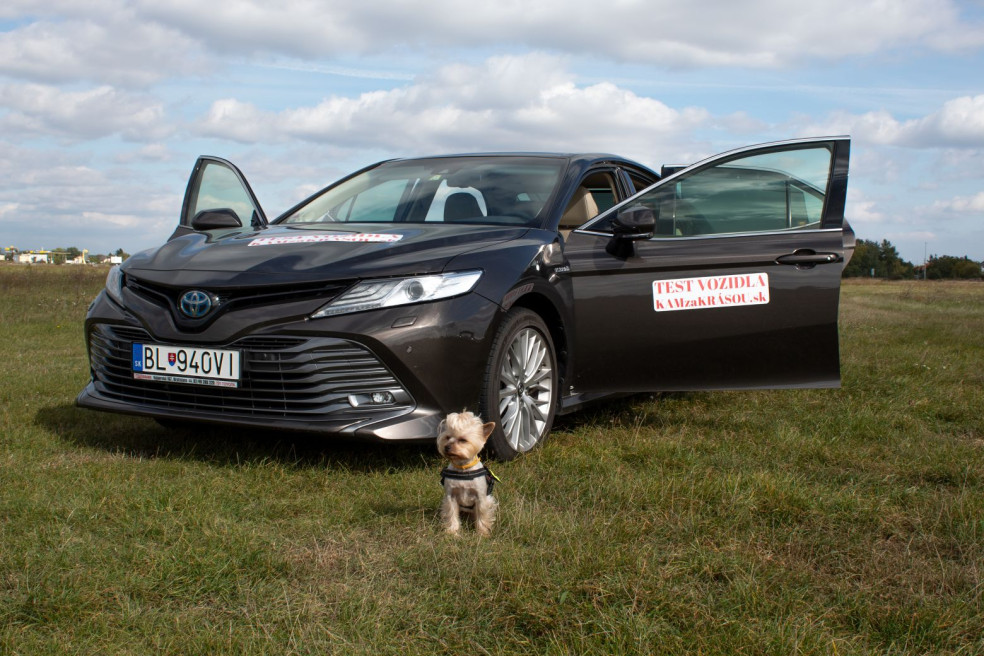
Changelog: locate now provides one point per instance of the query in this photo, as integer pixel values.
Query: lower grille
(308, 379)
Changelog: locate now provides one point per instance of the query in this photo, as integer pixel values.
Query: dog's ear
(488, 428)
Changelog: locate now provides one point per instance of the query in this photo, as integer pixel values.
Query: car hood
(308, 253)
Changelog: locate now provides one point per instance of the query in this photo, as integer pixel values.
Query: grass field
(843, 521)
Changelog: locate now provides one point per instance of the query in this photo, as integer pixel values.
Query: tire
(519, 391)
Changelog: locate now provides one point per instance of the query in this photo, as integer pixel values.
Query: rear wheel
(520, 388)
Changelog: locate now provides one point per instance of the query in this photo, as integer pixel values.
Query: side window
(781, 190)
(594, 195)
(220, 188)
(640, 182)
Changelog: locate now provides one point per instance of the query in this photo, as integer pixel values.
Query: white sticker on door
(710, 292)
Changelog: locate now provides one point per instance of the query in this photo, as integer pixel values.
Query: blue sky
(105, 105)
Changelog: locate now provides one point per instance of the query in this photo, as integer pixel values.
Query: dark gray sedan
(516, 285)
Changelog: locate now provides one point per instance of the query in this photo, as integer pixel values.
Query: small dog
(467, 484)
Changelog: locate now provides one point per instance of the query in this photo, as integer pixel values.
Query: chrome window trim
(788, 231)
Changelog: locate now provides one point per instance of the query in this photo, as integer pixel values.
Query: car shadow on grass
(140, 437)
(633, 409)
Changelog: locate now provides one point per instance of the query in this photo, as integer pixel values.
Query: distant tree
(865, 259)
(967, 269)
(947, 267)
(121, 253)
(895, 268)
(877, 260)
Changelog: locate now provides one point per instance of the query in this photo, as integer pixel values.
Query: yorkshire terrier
(467, 483)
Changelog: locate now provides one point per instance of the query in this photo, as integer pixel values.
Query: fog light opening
(372, 399)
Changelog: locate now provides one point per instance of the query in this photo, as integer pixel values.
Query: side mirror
(630, 224)
(634, 222)
(219, 218)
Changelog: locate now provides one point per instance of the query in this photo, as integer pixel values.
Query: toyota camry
(516, 285)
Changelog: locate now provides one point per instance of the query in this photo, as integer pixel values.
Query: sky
(106, 104)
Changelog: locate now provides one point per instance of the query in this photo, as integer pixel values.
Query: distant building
(34, 257)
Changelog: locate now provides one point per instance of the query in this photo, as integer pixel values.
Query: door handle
(808, 258)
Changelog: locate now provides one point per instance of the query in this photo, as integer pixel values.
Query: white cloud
(154, 152)
(759, 33)
(507, 103)
(862, 211)
(61, 198)
(962, 204)
(914, 238)
(117, 220)
(36, 109)
(957, 165)
(115, 48)
(959, 123)
(137, 42)
(884, 166)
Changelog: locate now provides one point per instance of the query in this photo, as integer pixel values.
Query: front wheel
(520, 388)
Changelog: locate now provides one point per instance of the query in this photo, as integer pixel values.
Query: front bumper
(384, 375)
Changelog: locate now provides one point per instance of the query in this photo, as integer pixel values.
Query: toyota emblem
(195, 303)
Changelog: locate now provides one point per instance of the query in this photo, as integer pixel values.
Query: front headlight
(390, 292)
(114, 284)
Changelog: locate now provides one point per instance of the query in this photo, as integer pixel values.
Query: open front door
(734, 283)
(218, 196)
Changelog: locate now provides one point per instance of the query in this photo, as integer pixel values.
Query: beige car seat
(581, 208)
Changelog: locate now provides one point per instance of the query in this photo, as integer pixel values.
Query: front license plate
(184, 364)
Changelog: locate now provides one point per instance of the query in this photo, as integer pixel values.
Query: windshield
(480, 190)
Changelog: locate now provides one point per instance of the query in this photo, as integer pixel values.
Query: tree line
(874, 260)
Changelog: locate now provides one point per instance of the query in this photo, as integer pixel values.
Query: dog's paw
(483, 528)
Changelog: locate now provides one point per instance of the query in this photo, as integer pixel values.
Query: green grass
(843, 521)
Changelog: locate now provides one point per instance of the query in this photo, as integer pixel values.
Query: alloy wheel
(526, 389)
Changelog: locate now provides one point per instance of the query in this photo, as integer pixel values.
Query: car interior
(594, 195)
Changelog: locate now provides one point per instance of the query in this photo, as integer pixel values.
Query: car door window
(782, 190)
(220, 187)
(595, 194)
(640, 181)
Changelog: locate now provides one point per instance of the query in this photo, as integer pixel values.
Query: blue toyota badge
(195, 304)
